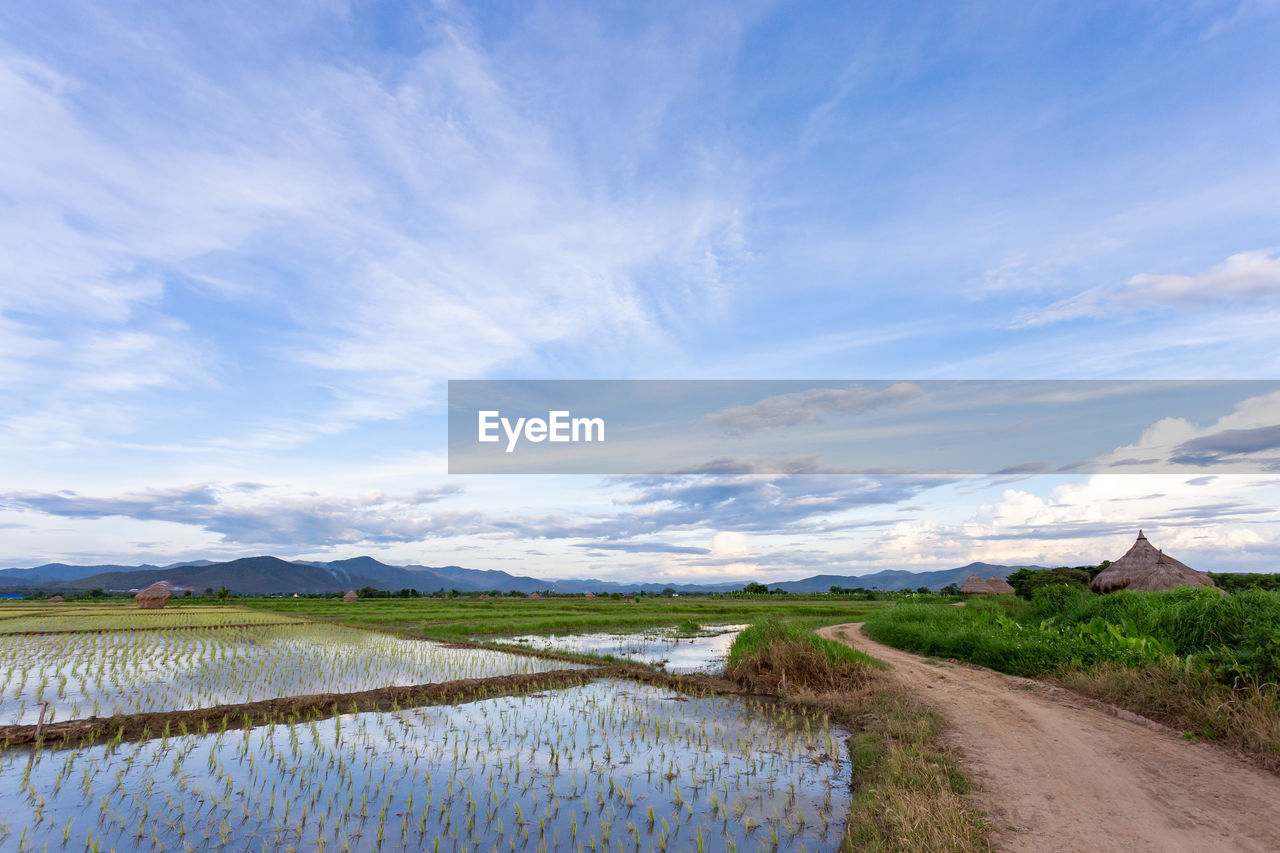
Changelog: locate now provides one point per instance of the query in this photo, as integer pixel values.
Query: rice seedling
(102, 674)
(466, 777)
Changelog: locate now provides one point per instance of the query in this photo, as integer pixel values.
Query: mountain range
(268, 575)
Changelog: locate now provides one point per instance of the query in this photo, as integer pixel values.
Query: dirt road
(1055, 773)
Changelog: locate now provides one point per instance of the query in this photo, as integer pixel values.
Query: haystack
(350, 596)
(533, 596)
(1146, 569)
(591, 596)
(1000, 586)
(976, 586)
(153, 597)
(57, 599)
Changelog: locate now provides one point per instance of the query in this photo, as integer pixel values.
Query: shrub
(781, 657)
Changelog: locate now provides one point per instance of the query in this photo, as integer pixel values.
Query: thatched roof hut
(591, 596)
(628, 597)
(56, 599)
(350, 596)
(976, 586)
(1000, 586)
(534, 596)
(153, 597)
(1146, 569)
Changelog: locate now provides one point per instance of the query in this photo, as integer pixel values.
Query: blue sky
(245, 247)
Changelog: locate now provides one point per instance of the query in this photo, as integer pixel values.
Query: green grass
(64, 618)
(1235, 636)
(456, 618)
(989, 633)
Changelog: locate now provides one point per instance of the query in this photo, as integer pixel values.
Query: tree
(949, 589)
(1025, 582)
(754, 588)
(924, 590)
(222, 594)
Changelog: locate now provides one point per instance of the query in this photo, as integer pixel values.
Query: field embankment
(908, 787)
(1198, 661)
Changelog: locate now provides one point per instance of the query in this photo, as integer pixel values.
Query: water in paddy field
(101, 674)
(705, 653)
(608, 765)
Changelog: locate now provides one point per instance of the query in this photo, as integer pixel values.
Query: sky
(244, 247)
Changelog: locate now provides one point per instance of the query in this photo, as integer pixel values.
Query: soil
(1057, 772)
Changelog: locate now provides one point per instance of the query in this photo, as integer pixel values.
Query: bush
(1025, 582)
(782, 657)
(1049, 601)
(1235, 635)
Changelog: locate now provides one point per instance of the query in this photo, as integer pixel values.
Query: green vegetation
(1234, 582)
(1025, 582)
(1196, 659)
(73, 618)
(459, 618)
(764, 638)
(1233, 636)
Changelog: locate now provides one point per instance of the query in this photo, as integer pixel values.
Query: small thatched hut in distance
(976, 586)
(1145, 569)
(57, 599)
(153, 597)
(1000, 586)
(350, 596)
(533, 596)
(591, 596)
(629, 597)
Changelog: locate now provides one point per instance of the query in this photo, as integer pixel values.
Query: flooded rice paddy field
(70, 618)
(611, 765)
(102, 674)
(675, 653)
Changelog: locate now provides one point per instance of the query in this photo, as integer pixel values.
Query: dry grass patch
(908, 790)
(1245, 717)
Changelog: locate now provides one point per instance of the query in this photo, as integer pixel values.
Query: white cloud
(1245, 440)
(1243, 277)
(809, 405)
(388, 229)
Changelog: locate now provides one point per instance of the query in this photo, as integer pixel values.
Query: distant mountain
(60, 572)
(894, 579)
(252, 575)
(265, 575)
